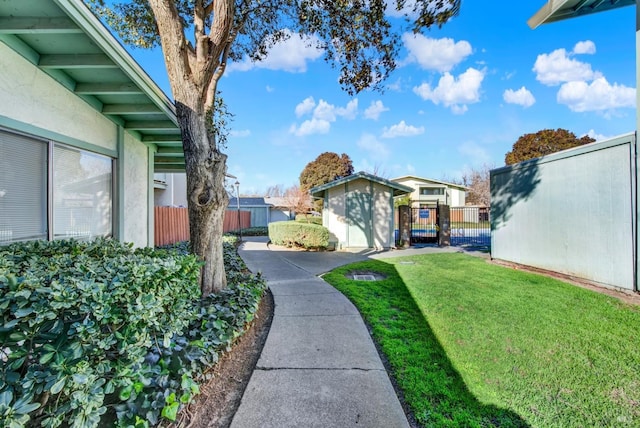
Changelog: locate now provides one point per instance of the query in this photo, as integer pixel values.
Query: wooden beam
(171, 139)
(37, 25)
(151, 125)
(107, 89)
(130, 109)
(76, 61)
(169, 151)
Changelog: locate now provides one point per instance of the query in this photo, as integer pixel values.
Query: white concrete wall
(136, 193)
(32, 97)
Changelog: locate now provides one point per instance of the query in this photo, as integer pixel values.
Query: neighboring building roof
(429, 180)
(276, 201)
(556, 10)
(398, 189)
(64, 39)
(248, 202)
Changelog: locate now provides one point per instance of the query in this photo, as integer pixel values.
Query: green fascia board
(318, 191)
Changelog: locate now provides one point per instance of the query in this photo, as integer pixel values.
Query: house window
(23, 188)
(432, 191)
(82, 184)
(52, 191)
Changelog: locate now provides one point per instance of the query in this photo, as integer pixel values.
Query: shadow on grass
(431, 386)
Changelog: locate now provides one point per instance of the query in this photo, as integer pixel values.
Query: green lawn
(474, 344)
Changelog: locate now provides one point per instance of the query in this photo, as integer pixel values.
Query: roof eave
(81, 14)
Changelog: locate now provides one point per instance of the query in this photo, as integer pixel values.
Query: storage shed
(358, 210)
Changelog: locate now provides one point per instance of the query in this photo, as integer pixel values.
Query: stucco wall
(334, 214)
(32, 97)
(571, 212)
(136, 196)
(382, 216)
(175, 195)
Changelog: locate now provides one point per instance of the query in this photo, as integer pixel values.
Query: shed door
(359, 220)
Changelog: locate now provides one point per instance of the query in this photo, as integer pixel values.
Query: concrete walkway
(319, 366)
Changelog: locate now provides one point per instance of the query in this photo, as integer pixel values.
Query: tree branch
(176, 50)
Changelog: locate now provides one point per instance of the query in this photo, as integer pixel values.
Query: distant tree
(402, 200)
(275, 191)
(478, 182)
(327, 167)
(297, 200)
(545, 142)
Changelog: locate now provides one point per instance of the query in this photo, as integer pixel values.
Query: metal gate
(424, 225)
(471, 226)
(463, 226)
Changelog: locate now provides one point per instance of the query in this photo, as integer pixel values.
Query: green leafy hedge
(297, 234)
(101, 333)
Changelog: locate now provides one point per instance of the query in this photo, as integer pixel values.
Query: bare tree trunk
(207, 197)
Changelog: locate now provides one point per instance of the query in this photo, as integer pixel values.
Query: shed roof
(398, 189)
(64, 39)
(556, 10)
(250, 201)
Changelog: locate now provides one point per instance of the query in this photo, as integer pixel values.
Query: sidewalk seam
(328, 369)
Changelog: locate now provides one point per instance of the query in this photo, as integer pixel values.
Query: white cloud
(596, 96)
(454, 92)
(557, 67)
(595, 136)
(311, 126)
(270, 89)
(350, 111)
(240, 133)
(435, 54)
(585, 47)
(289, 55)
(474, 151)
(322, 115)
(522, 97)
(375, 109)
(402, 130)
(376, 149)
(306, 106)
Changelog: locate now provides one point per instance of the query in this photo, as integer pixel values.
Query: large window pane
(82, 194)
(23, 188)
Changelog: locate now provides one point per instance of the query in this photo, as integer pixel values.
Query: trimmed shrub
(251, 231)
(305, 218)
(97, 332)
(298, 234)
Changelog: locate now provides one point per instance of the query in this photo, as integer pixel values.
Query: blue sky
(460, 98)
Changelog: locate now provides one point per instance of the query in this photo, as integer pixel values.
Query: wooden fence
(172, 224)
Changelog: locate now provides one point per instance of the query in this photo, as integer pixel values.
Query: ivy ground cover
(101, 334)
(473, 344)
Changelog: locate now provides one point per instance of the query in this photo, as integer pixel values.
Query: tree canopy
(545, 142)
(198, 39)
(328, 166)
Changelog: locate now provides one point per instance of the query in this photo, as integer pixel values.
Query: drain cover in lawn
(364, 277)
